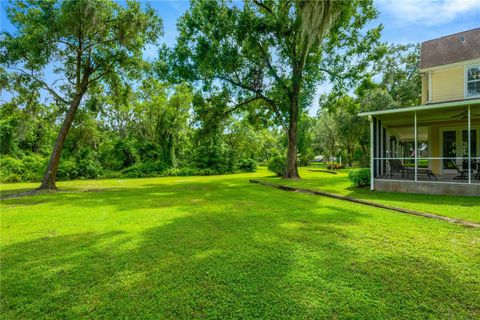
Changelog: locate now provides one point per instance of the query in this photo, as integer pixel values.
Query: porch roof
(423, 107)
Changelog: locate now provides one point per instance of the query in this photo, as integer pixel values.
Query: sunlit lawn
(220, 247)
(467, 208)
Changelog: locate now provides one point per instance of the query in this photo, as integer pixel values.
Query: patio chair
(476, 167)
(427, 172)
(396, 166)
(462, 173)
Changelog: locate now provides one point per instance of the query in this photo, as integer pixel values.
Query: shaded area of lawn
(219, 247)
(466, 208)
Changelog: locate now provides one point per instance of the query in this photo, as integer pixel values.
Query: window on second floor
(473, 81)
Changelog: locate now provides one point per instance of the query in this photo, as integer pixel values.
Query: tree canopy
(87, 43)
(233, 91)
(261, 51)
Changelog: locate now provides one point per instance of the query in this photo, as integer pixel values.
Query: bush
(247, 165)
(88, 168)
(277, 165)
(34, 168)
(67, 170)
(360, 177)
(303, 160)
(28, 168)
(108, 174)
(215, 157)
(145, 169)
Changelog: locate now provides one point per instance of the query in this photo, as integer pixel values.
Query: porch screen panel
(449, 148)
(473, 143)
(384, 154)
(375, 147)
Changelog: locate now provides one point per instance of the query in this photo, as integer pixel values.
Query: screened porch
(431, 145)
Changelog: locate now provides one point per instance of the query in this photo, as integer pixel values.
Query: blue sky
(404, 21)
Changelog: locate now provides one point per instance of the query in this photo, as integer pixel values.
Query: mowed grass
(460, 207)
(222, 248)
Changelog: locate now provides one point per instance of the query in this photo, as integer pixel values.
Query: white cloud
(429, 12)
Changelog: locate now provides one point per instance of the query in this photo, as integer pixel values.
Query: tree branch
(275, 110)
(332, 75)
(263, 6)
(272, 69)
(269, 101)
(241, 104)
(44, 85)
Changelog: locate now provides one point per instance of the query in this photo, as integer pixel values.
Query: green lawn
(466, 208)
(220, 247)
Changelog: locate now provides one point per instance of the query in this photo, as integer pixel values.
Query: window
(473, 81)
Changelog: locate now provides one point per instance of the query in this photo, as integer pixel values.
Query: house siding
(424, 88)
(448, 85)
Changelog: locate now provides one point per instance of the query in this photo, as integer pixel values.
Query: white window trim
(465, 78)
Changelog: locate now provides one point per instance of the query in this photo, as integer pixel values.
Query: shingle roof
(453, 48)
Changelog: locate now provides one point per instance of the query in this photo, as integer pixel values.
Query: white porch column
(372, 161)
(469, 147)
(416, 144)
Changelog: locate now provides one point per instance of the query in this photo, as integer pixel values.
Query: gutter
(422, 107)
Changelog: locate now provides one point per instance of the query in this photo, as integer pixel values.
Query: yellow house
(434, 147)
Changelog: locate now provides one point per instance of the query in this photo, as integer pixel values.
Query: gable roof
(458, 47)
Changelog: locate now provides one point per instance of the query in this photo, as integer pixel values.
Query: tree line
(232, 92)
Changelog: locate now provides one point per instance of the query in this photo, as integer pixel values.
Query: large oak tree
(86, 43)
(276, 52)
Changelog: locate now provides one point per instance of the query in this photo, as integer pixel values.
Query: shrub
(247, 165)
(360, 177)
(303, 160)
(10, 169)
(277, 165)
(145, 169)
(29, 168)
(88, 168)
(108, 174)
(34, 168)
(186, 171)
(215, 157)
(67, 170)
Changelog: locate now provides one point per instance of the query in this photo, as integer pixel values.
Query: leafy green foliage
(247, 165)
(92, 46)
(26, 168)
(340, 131)
(277, 165)
(259, 53)
(145, 169)
(359, 177)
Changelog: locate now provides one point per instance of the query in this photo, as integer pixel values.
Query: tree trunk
(171, 152)
(291, 170)
(365, 160)
(48, 182)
